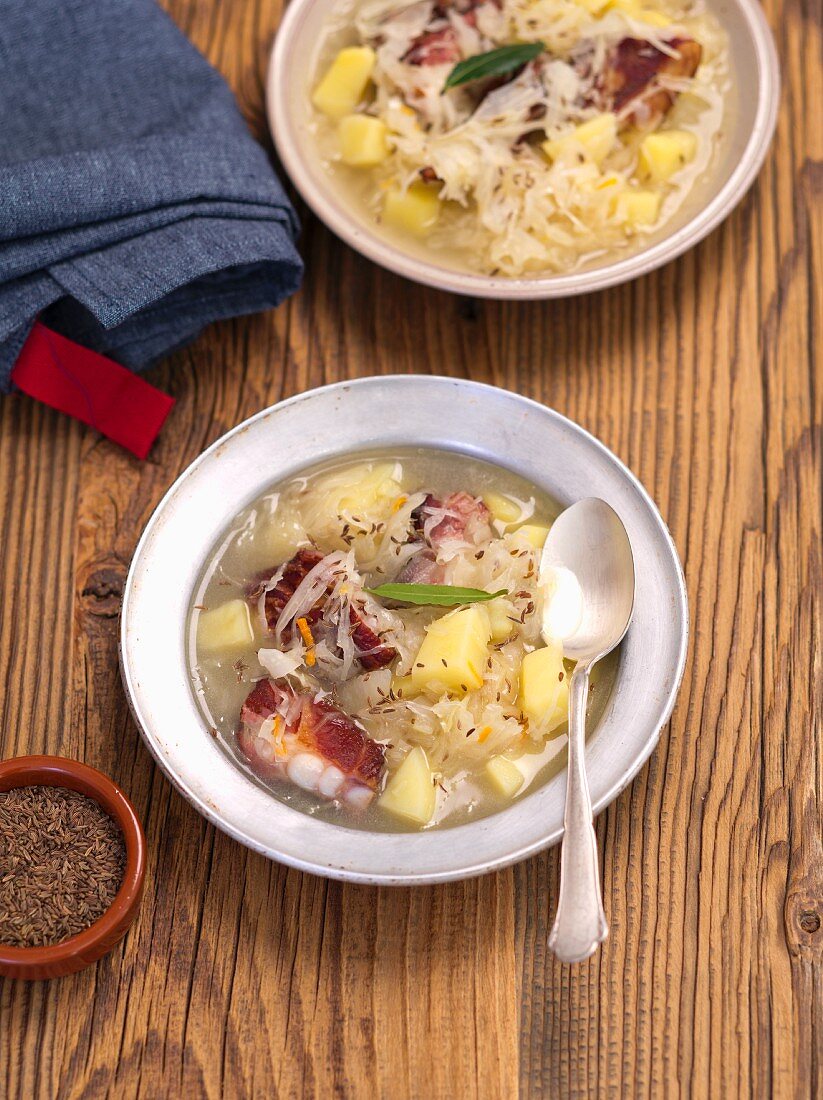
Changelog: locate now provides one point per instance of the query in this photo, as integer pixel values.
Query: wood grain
(242, 978)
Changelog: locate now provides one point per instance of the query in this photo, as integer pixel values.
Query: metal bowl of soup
(458, 425)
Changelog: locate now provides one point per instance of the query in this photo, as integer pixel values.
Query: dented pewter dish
(492, 424)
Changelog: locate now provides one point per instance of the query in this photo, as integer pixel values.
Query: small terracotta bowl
(92, 943)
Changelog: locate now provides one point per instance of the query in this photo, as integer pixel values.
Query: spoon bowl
(587, 570)
(588, 562)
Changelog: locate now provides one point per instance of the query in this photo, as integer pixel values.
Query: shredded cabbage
(459, 735)
(506, 206)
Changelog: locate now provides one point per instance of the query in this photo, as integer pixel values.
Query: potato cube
(415, 210)
(280, 538)
(345, 81)
(534, 533)
(504, 775)
(410, 791)
(226, 628)
(638, 208)
(555, 147)
(666, 152)
(367, 488)
(501, 624)
(501, 507)
(595, 138)
(363, 140)
(454, 651)
(357, 491)
(544, 688)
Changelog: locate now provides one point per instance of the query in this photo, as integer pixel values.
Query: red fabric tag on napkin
(91, 388)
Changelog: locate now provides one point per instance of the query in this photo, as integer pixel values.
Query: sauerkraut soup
(346, 698)
(519, 137)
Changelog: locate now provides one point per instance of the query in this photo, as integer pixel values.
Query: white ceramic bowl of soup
(746, 132)
(513, 432)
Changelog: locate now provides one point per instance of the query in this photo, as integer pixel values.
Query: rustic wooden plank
(244, 978)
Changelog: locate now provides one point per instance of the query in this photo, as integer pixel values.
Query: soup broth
(356, 705)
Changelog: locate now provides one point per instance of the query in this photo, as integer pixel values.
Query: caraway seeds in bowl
(62, 860)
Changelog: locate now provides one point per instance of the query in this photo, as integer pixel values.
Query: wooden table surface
(244, 979)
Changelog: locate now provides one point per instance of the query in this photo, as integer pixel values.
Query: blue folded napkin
(135, 207)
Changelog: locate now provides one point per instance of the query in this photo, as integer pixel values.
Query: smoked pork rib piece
(286, 734)
(294, 571)
(423, 568)
(372, 651)
(434, 48)
(463, 517)
(458, 516)
(439, 43)
(632, 72)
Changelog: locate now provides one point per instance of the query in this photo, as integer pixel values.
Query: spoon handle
(580, 923)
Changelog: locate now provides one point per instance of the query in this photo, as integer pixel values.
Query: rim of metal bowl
(321, 199)
(472, 866)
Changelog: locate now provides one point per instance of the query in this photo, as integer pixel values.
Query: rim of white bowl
(147, 689)
(322, 201)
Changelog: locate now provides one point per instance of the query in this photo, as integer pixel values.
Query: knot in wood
(809, 921)
(104, 590)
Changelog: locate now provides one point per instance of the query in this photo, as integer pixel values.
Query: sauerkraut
(330, 689)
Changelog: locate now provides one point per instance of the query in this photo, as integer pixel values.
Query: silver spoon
(587, 571)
